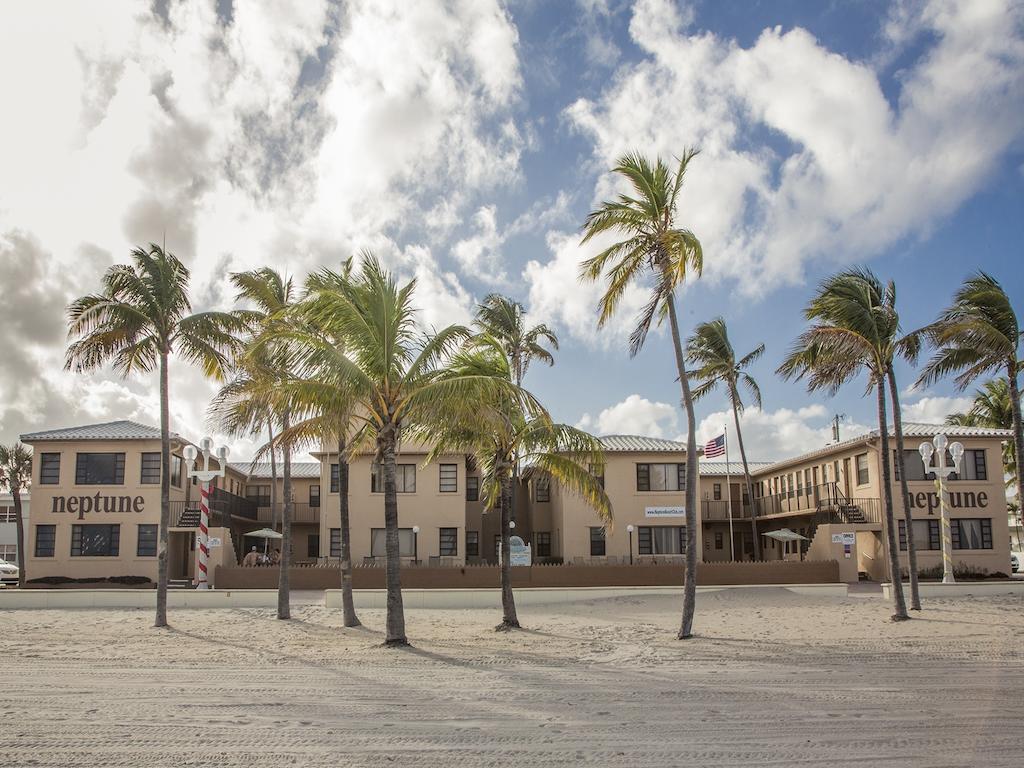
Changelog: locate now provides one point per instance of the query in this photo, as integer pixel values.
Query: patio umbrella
(266, 534)
(784, 534)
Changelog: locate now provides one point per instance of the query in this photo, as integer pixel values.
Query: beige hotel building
(96, 507)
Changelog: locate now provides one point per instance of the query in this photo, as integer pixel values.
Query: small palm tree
(992, 409)
(854, 330)
(655, 248)
(395, 378)
(977, 336)
(710, 349)
(139, 319)
(16, 473)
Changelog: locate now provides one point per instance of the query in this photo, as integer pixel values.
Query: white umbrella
(784, 534)
(266, 534)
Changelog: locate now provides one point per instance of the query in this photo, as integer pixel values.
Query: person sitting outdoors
(251, 559)
(275, 557)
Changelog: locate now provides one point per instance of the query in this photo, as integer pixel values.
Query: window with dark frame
(335, 483)
(927, 535)
(861, 462)
(46, 540)
(177, 467)
(313, 545)
(661, 477)
(405, 478)
(473, 488)
(971, 532)
(980, 468)
(472, 543)
(258, 495)
(150, 474)
(146, 546)
(49, 469)
(598, 543)
(661, 539)
(335, 542)
(542, 489)
(597, 470)
(543, 543)
(718, 491)
(314, 495)
(719, 540)
(448, 541)
(99, 469)
(92, 540)
(448, 478)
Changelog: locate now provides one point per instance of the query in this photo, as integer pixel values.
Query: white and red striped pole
(205, 475)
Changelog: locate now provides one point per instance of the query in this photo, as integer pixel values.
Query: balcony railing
(719, 510)
(301, 513)
(807, 499)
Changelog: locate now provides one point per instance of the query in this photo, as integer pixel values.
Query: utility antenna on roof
(835, 426)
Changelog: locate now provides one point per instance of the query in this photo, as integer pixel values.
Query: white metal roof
(735, 468)
(301, 470)
(640, 444)
(110, 430)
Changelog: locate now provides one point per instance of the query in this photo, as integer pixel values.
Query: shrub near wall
(488, 576)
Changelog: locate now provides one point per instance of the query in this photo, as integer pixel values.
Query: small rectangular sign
(665, 512)
(843, 538)
(215, 541)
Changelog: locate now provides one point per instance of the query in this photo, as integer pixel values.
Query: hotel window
(405, 478)
(926, 535)
(46, 539)
(719, 540)
(49, 469)
(7, 515)
(258, 495)
(150, 469)
(448, 478)
(448, 541)
(718, 491)
(334, 478)
(335, 542)
(406, 542)
(972, 465)
(543, 543)
(542, 489)
(9, 553)
(912, 463)
(597, 542)
(861, 460)
(95, 540)
(807, 481)
(314, 495)
(799, 484)
(99, 469)
(472, 543)
(146, 546)
(661, 539)
(661, 477)
(789, 485)
(597, 470)
(971, 532)
(177, 465)
(497, 545)
(313, 545)
(472, 488)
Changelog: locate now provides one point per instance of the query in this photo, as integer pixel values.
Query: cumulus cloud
(934, 410)
(804, 156)
(635, 415)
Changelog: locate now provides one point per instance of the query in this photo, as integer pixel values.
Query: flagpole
(728, 491)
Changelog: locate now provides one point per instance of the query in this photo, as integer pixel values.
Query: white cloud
(934, 410)
(852, 174)
(635, 415)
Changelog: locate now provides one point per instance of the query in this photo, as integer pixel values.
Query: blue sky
(464, 142)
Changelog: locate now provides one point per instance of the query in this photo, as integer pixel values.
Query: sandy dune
(773, 679)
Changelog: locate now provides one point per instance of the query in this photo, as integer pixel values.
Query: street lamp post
(629, 530)
(942, 470)
(204, 475)
(416, 545)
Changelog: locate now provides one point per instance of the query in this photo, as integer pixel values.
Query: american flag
(715, 447)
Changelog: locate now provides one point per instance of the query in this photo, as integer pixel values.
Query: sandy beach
(772, 679)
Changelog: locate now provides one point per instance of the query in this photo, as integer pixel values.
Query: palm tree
(505, 320)
(992, 409)
(855, 329)
(266, 365)
(16, 473)
(395, 378)
(710, 349)
(139, 319)
(977, 336)
(654, 248)
(508, 428)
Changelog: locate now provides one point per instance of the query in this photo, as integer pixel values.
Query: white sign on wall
(843, 538)
(522, 554)
(215, 541)
(664, 511)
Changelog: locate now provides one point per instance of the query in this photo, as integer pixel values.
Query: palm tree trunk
(20, 529)
(690, 587)
(165, 495)
(348, 606)
(273, 476)
(746, 470)
(284, 610)
(899, 605)
(395, 631)
(1018, 437)
(908, 515)
(509, 619)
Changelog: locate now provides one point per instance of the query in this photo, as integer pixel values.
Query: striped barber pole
(203, 545)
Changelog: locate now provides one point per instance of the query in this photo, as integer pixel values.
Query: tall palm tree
(510, 427)
(397, 379)
(654, 248)
(711, 351)
(991, 408)
(16, 473)
(854, 329)
(268, 364)
(977, 336)
(504, 319)
(142, 316)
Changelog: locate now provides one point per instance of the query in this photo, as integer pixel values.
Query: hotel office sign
(84, 505)
(664, 511)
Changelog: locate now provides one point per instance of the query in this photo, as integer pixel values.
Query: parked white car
(8, 574)
(1015, 558)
